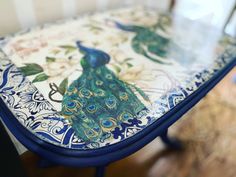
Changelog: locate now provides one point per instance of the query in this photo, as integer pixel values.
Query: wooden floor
(209, 135)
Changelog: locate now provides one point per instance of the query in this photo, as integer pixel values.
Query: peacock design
(154, 46)
(98, 101)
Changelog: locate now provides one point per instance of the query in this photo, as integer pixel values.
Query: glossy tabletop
(98, 80)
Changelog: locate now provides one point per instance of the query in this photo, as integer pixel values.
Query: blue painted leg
(100, 171)
(172, 143)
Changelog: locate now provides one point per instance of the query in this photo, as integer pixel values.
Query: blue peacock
(98, 101)
(154, 46)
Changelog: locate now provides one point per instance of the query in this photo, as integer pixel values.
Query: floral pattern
(32, 100)
(36, 68)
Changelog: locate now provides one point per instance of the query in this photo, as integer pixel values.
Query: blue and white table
(94, 89)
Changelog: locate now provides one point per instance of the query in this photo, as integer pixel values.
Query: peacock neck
(85, 64)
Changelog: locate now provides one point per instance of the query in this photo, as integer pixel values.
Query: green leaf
(31, 69)
(70, 50)
(127, 59)
(129, 65)
(50, 59)
(96, 28)
(63, 86)
(68, 47)
(41, 77)
(117, 68)
(145, 97)
(93, 27)
(56, 51)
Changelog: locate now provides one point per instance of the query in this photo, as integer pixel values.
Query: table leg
(100, 171)
(172, 143)
(10, 161)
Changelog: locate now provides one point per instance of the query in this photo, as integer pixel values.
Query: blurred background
(20, 14)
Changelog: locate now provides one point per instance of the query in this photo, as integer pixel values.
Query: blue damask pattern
(31, 109)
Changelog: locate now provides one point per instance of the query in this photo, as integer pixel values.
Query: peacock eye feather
(98, 71)
(67, 113)
(91, 108)
(113, 86)
(85, 93)
(71, 104)
(108, 124)
(99, 82)
(109, 76)
(110, 102)
(99, 92)
(90, 133)
(83, 117)
(124, 116)
(71, 89)
(123, 96)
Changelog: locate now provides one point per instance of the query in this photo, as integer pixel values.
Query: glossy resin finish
(97, 80)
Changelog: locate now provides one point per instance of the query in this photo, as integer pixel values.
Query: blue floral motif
(127, 129)
(33, 100)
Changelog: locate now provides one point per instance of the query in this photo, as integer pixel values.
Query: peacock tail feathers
(98, 101)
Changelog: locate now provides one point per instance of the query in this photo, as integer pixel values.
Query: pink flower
(26, 47)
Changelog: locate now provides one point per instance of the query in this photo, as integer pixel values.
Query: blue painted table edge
(106, 155)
